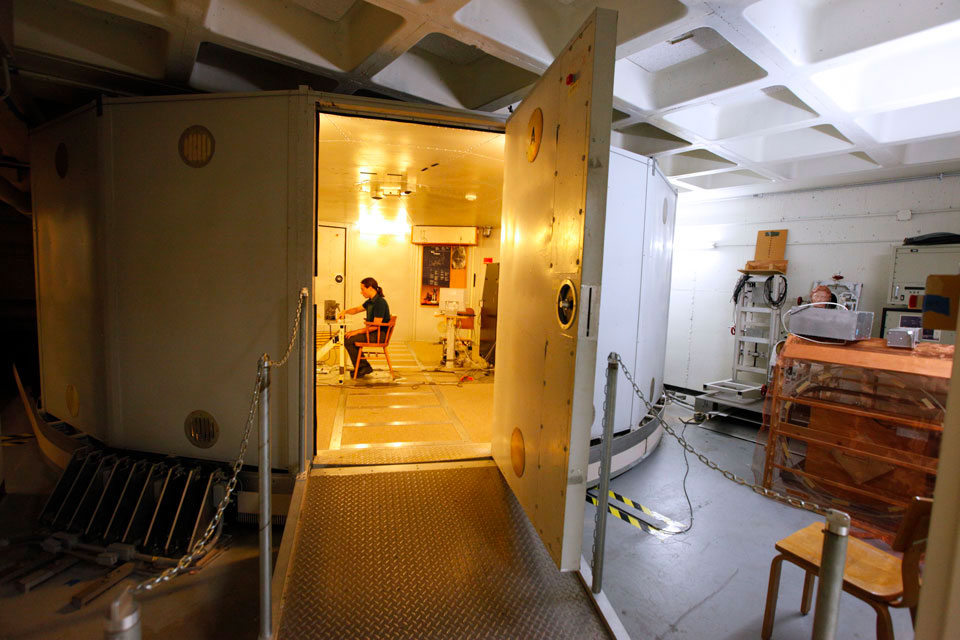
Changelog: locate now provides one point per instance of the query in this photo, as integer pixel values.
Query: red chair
(383, 330)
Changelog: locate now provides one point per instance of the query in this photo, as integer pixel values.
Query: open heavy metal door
(554, 204)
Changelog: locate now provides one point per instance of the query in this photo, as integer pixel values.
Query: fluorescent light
(471, 197)
(371, 222)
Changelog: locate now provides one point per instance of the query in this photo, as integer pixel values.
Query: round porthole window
(73, 400)
(518, 452)
(201, 429)
(196, 146)
(566, 304)
(534, 134)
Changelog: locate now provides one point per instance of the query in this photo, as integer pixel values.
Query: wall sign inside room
(443, 266)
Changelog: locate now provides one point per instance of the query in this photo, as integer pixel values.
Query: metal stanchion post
(266, 517)
(123, 618)
(832, 560)
(305, 295)
(603, 489)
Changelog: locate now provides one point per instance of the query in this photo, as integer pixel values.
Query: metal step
(423, 551)
(159, 507)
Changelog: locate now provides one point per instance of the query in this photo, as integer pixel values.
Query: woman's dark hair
(370, 283)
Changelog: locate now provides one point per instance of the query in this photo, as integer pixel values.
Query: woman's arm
(351, 311)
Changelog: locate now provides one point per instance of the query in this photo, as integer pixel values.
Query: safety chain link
(199, 549)
(293, 336)
(729, 475)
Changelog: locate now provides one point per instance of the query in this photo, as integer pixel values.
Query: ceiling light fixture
(471, 197)
(388, 184)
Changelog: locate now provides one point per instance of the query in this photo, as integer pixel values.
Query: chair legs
(884, 623)
(387, 356)
(773, 590)
(808, 580)
(356, 365)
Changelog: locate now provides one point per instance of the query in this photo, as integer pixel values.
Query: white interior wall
(395, 263)
(391, 261)
(849, 230)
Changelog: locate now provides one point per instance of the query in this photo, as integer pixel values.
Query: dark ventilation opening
(201, 429)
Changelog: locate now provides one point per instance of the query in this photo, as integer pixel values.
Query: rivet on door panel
(518, 453)
(566, 304)
(535, 134)
(73, 400)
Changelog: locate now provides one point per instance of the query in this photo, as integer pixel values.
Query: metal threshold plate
(401, 453)
(426, 553)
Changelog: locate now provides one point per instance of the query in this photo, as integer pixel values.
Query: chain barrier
(199, 549)
(729, 475)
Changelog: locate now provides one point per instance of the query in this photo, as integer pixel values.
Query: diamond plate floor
(435, 553)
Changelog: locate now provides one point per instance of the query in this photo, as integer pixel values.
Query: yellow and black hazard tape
(670, 527)
(17, 439)
(629, 518)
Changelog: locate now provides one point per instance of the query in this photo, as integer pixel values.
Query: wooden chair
(383, 330)
(880, 579)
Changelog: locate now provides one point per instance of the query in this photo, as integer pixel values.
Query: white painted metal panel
(330, 281)
(444, 235)
(622, 268)
(67, 229)
(553, 229)
(661, 217)
(205, 265)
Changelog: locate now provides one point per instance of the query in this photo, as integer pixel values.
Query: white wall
(849, 230)
(395, 263)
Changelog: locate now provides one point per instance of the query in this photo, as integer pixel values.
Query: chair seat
(867, 569)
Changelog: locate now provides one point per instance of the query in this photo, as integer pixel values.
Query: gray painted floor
(710, 583)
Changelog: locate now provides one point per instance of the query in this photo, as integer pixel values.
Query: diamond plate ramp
(427, 553)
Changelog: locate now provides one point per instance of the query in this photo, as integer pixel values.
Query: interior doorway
(379, 182)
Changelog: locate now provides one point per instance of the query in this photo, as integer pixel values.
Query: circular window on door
(566, 304)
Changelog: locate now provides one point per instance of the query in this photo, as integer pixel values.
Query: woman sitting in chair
(377, 310)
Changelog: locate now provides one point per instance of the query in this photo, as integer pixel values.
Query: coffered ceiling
(730, 96)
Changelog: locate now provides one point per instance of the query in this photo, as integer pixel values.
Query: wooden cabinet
(857, 426)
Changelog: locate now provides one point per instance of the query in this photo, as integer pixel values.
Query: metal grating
(445, 553)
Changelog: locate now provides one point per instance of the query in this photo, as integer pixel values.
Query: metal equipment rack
(755, 335)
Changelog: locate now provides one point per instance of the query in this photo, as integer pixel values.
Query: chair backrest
(465, 319)
(911, 540)
(379, 327)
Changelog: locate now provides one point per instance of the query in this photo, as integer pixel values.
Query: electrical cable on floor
(685, 474)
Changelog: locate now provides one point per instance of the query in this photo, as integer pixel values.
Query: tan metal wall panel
(203, 268)
(68, 275)
(553, 221)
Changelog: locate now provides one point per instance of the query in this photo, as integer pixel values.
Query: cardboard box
(940, 302)
(766, 266)
(771, 244)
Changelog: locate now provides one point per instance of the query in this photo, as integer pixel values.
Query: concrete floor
(709, 583)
